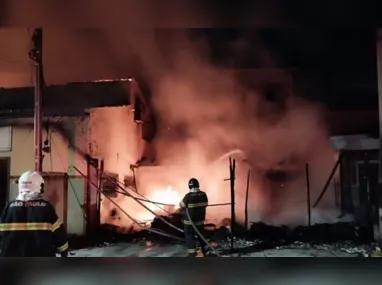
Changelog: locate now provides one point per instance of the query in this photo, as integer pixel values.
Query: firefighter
(29, 226)
(195, 202)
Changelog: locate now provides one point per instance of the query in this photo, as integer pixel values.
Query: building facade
(73, 132)
(108, 134)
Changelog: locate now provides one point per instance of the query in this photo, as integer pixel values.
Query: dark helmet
(193, 183)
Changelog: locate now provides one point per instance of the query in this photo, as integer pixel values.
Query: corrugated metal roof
(65, 100)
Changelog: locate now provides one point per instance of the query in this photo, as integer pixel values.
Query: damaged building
(307, 163)
(104, 141)
(72, 135)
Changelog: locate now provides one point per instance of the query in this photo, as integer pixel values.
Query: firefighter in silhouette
(195, 202)
(29, 226)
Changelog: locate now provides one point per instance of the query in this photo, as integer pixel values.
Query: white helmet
(31, 181)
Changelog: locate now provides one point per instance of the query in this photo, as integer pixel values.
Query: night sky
(336, 66)
(333, 66)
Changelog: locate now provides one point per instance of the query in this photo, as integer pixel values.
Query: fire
(166, 196)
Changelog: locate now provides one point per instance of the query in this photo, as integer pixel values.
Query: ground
(149, 250)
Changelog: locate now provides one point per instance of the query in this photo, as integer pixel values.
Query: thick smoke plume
(204, 113)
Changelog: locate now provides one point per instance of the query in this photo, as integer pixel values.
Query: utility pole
(308, 193)
(232, 168)
(36, 55)
(379, 78)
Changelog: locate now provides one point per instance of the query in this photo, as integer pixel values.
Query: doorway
(368, 187)
(4, 181)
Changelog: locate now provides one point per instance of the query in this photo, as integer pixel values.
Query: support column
(378, 235)
(36, 55)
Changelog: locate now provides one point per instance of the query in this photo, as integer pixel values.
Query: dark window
(109, 184)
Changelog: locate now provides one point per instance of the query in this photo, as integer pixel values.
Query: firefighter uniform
(195, 202)
(29, 226)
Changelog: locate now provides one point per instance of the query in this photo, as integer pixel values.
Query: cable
(163, 220)
(123, 211)
(128, 194)
(170, 205)
(143, 205)
(136, 192)
(139, 194)
(188, 216)
(152, 202)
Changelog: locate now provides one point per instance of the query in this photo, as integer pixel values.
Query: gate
(56, 185)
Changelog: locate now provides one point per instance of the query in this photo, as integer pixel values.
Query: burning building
(112, 148)
(119, 140)
(203, 115)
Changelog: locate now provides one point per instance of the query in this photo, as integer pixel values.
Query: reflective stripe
(196, 205)
(30, 226)
(56, 225)
(182, 204)
(195, 223)
(25, 227)
(63, 247)
(191, 250)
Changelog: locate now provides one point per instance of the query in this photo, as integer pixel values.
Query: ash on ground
(345, 246)
(340, 237)
(242, 246)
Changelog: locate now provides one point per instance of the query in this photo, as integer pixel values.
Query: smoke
(212, 113)
(204, 112)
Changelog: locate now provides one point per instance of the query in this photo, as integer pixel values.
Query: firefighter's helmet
(193, 183)
(31, 181)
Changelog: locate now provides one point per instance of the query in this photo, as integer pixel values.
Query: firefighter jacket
(31, 229)
(196, 202)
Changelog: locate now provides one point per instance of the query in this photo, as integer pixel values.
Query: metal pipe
(163, 204)
(232, 166)
(308, 193)
(36, 55)
(140, 203)
(328, 181)
(136, 192)
(379, 78)
(123, 211)
(246, 201)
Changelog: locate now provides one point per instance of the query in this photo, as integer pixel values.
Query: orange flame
(166, 196)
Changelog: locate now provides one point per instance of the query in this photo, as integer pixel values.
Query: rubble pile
(346, 237)
(316, 234)
(362, 250)
(174, 219)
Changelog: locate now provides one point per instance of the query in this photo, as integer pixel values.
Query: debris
(343, 237)
(174, 219)
(315, 234)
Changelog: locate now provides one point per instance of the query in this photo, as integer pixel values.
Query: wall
(60, 156)
(116, 138)
(5, 152)
(5, 141)
(74, 131)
